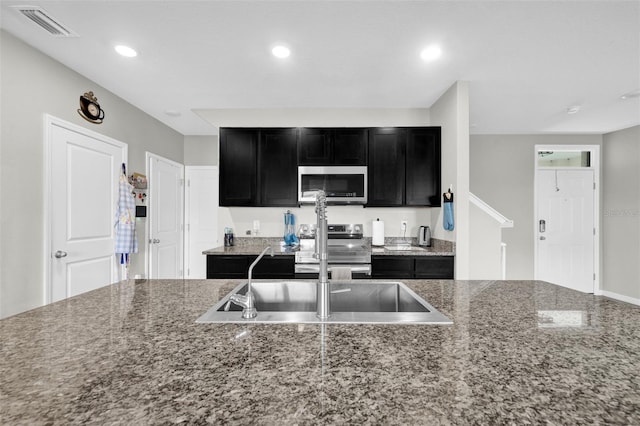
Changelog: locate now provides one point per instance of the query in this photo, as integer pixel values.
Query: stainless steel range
(346, 248)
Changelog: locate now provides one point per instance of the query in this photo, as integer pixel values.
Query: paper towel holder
(377, 233)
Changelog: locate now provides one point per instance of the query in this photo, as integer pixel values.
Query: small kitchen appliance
(424, 236)
(341, 184)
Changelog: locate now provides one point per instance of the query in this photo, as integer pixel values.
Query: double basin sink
(352, 302)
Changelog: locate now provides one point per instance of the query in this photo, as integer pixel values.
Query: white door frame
(49, 122)
(147, 252)
(595, 166)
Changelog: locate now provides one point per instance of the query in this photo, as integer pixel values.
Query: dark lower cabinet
(434, 267)
(283, 267)
(412, 267)
(237, 267)
(392, 267)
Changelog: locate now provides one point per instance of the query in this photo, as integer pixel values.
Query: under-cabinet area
(259, 166)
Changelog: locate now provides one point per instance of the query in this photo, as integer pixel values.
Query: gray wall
(621, 212)
(201, 150)
(32, 85)
(502, 175)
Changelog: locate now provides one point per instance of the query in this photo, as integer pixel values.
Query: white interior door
(566, 228)
(83, 175)
(201, 206)
(165, 218)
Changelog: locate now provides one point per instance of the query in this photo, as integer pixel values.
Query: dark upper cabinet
(350, 146)
(314, 147)
(332, 146)
(386, 167)
(422, 184)
(404, 167)
(277, 171)
(238, 165)
(258, 167)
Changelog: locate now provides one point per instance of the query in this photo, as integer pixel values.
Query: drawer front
(391, 267)
(227, 266)
(274, 267)
(435, 267)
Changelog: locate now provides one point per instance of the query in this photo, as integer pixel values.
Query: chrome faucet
(247, 301)
(323, 303)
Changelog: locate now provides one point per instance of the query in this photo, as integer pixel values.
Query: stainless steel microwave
(342, 184)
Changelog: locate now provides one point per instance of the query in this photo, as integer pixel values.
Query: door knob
(59, 254)
(154, 241)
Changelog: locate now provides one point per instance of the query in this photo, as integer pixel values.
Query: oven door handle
(302, 268)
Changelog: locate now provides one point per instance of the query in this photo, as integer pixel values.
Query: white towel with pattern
(125, 226)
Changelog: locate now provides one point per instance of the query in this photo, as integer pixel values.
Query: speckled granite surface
(518, 353)
(255, 245)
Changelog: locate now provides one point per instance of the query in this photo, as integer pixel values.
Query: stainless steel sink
(355, 302)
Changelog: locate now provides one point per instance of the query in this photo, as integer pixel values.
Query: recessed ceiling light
(126, 51)
(431, 53)
(281, 51)
(173, 113)
(573, 109)
(630, 95)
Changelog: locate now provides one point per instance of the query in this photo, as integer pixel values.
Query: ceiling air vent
(45, 21)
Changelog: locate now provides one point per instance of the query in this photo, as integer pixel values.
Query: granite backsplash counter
(254, 245)
(519, 352)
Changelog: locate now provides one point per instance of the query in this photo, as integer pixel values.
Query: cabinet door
(227, 266)
(278, 173)
(423, 167)
(238, 167)
(434, 267)
(282, 267)
(350, 147)
(386, 167)
(314, 147)
(392, 267)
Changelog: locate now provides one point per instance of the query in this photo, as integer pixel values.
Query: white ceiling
(526, 61)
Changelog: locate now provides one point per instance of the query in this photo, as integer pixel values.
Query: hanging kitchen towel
(447, 217)
(125, 226)
(341, 273)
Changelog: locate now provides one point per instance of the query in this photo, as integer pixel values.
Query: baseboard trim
(620, 297)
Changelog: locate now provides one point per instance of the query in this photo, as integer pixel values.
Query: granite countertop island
(519, 352)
